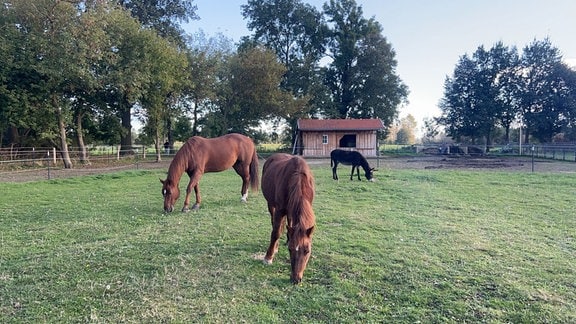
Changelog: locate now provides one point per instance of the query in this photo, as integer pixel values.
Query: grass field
(415, 246)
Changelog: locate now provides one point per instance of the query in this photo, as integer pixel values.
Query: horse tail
(254, 180)
(301, 193)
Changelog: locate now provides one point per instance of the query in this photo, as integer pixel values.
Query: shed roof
(339, 124)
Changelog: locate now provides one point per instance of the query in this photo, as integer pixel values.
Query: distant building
(318, 137)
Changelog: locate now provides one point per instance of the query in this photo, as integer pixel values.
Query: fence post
(54, 155)
(48, 161)
(118, 153)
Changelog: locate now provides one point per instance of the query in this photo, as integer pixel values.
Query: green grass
(417, 245)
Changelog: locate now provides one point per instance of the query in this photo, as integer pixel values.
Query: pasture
(417, 245)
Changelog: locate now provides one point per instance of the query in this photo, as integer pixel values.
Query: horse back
(219, 153)
(281, 175)
(347, 157)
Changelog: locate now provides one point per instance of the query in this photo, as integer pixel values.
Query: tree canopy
(337, 60)
(497, 87)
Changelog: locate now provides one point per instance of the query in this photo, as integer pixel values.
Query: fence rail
(565, 152)
(40, 156)
(26, 158)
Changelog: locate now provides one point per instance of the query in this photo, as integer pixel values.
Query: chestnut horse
(353, 158)
(200, 155)
(288, 186)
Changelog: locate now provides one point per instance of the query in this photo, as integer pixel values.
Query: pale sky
(429, 36)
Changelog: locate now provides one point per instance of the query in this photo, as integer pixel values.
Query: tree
(362, 75)
(126, 77)
(206, 57)
(296, 32)
(249, 92)
(406, 131)
(162, 16)
(543, 93)
(166, 67)
(477, 96)
(52, 50)
(431, 130)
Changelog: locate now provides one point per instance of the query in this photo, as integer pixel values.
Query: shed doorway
(348, 140)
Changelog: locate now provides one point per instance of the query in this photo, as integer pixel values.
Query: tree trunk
(126, 139)
(80, 138)
(63, 143)
(195, 118)
(158, 146)
(169, 133)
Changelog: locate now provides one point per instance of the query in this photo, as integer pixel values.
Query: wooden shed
(318, 137)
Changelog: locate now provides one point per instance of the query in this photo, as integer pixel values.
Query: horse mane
(180, 161)
(301, 195)
(364, 163)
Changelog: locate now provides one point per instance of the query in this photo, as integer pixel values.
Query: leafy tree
(125, 76)
(407, 131)
(362, 76)
(495, 88)
(297, 33)
(166, 80)
(431, 130)
(477, 97)
(52, 53)
(206, 57)
(183, 129)
(249, 92)
(163, 16)
(543, 91)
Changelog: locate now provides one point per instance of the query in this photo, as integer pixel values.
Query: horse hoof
(185, 210)
(244, 200)
(296, 281)
(195, 207)
(266, 261)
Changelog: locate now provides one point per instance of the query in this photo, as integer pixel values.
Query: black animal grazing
(353, 158)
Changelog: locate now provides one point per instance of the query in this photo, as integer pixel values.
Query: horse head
(370, 174)
(171, 192)
(300, 247)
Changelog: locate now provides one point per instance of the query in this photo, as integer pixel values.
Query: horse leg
(334, 174)
(244, 172)
(352, 173)
(278, 223)
(358, 172)
(196, 205)
(194, 180)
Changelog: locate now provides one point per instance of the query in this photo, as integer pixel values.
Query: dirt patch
(431, 162)
(46, 173)
(423, 162)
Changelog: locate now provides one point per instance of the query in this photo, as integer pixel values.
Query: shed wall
(312, 145)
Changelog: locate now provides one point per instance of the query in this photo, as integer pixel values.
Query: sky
(429, 36)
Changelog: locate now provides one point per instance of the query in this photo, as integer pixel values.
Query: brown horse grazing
(288, 186)
(200, 155)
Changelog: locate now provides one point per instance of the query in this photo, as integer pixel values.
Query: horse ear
(310, 231)
(373, 169)
(162, 181)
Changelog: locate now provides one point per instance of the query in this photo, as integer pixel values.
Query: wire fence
(22, 160)
(564, 152)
